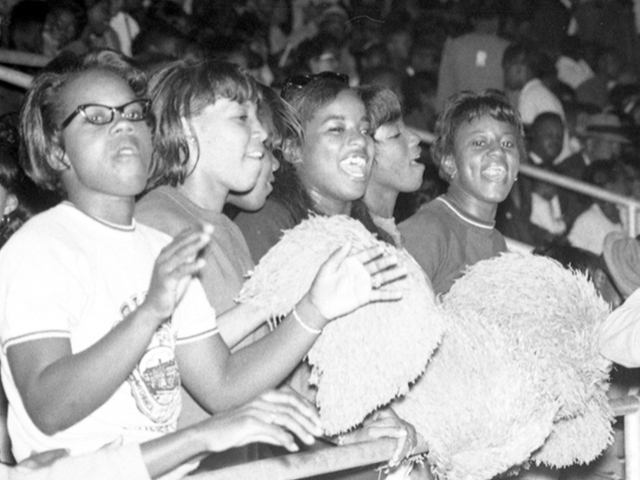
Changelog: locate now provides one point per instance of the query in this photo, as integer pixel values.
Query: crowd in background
(578, 59)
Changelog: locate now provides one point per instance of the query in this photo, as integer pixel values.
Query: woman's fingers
(181, 256)
(291, 411)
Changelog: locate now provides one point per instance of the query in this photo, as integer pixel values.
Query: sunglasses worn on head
(296, 82)
(134, 111)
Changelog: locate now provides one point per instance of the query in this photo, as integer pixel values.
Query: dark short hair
(40, 133)
(182, 89)
(383, 106)
(465, 107)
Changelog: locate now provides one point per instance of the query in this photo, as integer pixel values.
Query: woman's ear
(58, 159)
(449, 166)
(292, 151)
(11, 203)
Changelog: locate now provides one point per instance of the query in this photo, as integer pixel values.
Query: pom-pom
(551, 315)
(478, 405)
(368, 357)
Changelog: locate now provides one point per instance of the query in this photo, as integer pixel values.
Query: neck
(329, 206)
(381, 201)
(483, 211)
(115, 210)
(205, 195)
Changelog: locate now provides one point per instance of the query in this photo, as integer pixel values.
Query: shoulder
(263, 229)
(430, 215)
(161, 209)
(272, 216)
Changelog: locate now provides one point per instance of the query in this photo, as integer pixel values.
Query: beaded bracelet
(314, 331)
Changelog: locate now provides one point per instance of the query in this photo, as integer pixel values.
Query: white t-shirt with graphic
(67, 275)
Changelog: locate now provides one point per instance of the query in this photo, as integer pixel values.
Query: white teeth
(354, 166)
(495, 173)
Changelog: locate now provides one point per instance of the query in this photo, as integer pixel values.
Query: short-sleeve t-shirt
(67, 275)
(444, 240)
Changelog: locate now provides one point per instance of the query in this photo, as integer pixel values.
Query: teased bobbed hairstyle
(468, 106)
(278, 117)
(41, 144)
(383, 106)
(182, 90)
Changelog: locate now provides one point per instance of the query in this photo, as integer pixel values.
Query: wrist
(147, 315)
(308, 316)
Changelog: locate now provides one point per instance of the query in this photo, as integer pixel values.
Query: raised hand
(274, 417)
(177, 263)
(349, 280)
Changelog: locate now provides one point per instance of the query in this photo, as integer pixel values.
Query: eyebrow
(343, 118)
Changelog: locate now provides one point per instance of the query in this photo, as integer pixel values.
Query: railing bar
(625, 405)
(25, 59)
(578, 186)
(308, 464)
(15, 77)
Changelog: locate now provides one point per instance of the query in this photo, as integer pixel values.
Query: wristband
(314, 331)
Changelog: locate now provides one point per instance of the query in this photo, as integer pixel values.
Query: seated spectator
(593, 225)
(318, 54)
(65, 23)
(26, 26)
(604, 140)
(124, 23)
(619, 336)
(609, 72)
(523, 67)
(473, 61)
(531, 213)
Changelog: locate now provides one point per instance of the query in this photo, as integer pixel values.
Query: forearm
(619, 336)
(246, 373)
(239, 322)
(60, 388)
(168, 452)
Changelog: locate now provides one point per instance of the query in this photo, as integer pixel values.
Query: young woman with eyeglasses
(101, 318)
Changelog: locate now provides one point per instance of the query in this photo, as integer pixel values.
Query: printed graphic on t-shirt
(155, 381)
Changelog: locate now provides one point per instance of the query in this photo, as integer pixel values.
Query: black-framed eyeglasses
(296, 82)
(134, 111)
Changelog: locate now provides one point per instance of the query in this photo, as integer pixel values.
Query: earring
(453, 175)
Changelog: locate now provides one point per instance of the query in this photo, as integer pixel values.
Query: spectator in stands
(26, 26)
(604, 140)
(473, 61)
(592, 225)
(620, 335)
(65, 23)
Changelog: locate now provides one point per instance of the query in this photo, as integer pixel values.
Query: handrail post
(632, 442)
(633, 211)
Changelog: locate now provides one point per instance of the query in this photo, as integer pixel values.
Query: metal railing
(632, 205)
